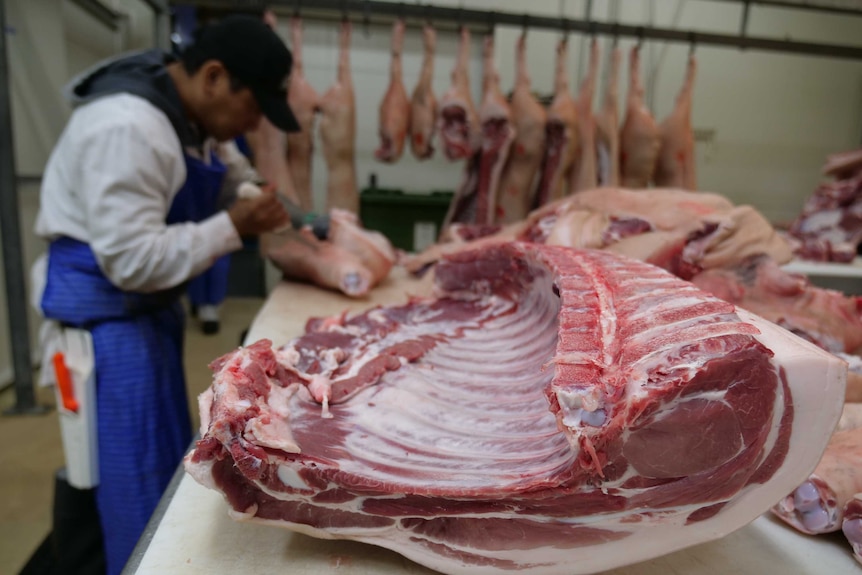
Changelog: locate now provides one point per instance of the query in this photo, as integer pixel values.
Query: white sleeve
(127, 190)
(239, 170)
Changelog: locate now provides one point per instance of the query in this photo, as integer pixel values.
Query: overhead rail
(360, 10)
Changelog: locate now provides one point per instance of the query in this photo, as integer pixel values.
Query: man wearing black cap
(128, 206)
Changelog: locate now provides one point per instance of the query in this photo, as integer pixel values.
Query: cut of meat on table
(852, 525)
(371, 248)
(827, 318)
(607, 128)
(851, 416)
(639, 139)
(843, 165)
(394, 115)
(301, 256)
(305, 104)
(817, 505)
(495, 117)
(553, 411)
(676, 162)
(519, 180)
(585, 171)
(338, 132)
(561, 135)
(423, 104)
(681, 231)
(457, 121)
(854, 379)
(830, 225)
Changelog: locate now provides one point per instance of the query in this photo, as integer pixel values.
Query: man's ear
(212, 71)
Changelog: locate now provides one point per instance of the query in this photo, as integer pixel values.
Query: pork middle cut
(550, 411)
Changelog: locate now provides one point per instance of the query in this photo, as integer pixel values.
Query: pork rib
(545, 414)
(423, 104)
(395, 107)
(518, 183)
(305, 103)
(338, 132)
(676, 163)
(607, 128)
(639, 139)
(457, 121)
(561, 142)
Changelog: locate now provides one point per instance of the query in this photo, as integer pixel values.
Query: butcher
(128, 208)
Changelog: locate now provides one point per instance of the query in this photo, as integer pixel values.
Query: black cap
(254, 54)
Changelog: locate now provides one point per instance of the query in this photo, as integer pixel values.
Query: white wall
(369, 63)
(773, 116)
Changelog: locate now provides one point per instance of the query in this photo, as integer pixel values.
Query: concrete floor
(32, 450)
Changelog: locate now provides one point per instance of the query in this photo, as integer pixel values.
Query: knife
(299, 218)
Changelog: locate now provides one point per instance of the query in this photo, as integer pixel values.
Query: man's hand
(258, 215)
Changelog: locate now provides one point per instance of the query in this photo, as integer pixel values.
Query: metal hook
(525, 23)
(344, 14)
(296, 8)
(491, 21)
(428, 19)
(640, 32)
(693, 39)
(616, 40)
(593, 26)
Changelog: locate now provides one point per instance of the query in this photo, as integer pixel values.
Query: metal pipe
(10, 236)
(481, 19)
(805, 5)
(100, 12)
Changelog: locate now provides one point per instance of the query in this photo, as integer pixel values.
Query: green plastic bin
(410, 221)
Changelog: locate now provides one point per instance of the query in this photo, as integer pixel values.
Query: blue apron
(144, 426)
(210, 287)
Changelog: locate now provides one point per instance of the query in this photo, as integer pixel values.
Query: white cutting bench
(191, 533)
(845, 277)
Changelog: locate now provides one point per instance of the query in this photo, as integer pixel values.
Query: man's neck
(182, 82)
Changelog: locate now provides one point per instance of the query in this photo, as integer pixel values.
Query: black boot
(74, 546)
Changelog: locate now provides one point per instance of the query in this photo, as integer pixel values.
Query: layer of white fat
(472, 413)
(290, 477)
(824, 221)
(205, 405)
(816, 382)
(272, 427)
(201, 471)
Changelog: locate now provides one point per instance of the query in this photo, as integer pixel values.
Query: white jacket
(110, 182)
